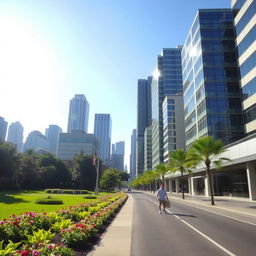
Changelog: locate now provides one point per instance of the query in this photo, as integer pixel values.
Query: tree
(180, 161)
(110, 179)
(162, 170)
(206, 150)
(84, 172)
(124, 176)
(30, 173)
(9, 163)
(55, 174)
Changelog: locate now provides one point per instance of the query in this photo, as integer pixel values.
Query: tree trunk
(210, 184)
(182, 184)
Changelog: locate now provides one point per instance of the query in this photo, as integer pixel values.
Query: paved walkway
(116, 241)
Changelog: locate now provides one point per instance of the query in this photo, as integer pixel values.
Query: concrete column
(170, 185)
(193, 186)
(206, 187)
(189, 185)
(251, 177)
(177, 185)
(165, 184)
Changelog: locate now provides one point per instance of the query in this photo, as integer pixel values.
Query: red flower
(25, 253)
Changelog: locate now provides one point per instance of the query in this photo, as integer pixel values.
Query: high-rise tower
(15, 135)
(3, 129)
(212, 97)
(167, 80)
(143, 120)
(78, 113)
(102, 131)
(53, 134)
(245, 25)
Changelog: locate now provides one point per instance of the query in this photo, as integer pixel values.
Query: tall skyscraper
(53, 134)
(143, 120)
(3, 129)
(167, 80)
(245, 24)
(78, 113)
(15, 135)
(212, 96)
(133, 155)
(36, 141)
(102, 131)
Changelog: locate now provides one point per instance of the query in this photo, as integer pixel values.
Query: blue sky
(53, 49)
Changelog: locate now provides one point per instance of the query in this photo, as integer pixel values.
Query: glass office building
(143, 120)
(212, 95)
(245, 24)
(167, 80)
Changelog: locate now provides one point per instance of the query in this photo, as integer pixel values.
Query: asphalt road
(188, 230)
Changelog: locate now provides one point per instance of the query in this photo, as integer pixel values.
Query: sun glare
(27, 71)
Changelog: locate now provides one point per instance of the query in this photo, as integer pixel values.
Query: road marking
(217, 213)
(199, 232)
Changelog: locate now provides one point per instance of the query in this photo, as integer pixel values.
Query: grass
(17, 202)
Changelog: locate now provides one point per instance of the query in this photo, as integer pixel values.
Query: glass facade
(143, 120)
(212, 95)
(245, 25)
(167, 80)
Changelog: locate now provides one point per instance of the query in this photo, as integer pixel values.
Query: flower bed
(55, 233)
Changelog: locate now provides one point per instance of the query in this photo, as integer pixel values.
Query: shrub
(9, 248)
(48, 201)
(90, 197)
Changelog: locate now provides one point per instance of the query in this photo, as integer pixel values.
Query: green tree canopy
(208, 151)
(110, 179)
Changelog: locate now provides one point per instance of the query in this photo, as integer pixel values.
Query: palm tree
(206, 150)
(162, 170)
(180, 161)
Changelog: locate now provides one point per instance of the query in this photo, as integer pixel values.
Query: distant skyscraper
(3, 129)
(118, 148)
(78, 113)
(167, 80)
(133, 155)
(117, 156)
(143, 120)
(245, 24)
(15, 135)
(36, 141)
(102, 131)
(212, 97)
(53, 134)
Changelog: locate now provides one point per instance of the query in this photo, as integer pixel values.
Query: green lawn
(18, 202)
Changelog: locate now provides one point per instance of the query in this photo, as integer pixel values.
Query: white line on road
(199, 232)
(217, 213)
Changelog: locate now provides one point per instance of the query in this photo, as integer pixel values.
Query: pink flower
(35, 253)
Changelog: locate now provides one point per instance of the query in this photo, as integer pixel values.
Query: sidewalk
(116, 241)
(237, 205)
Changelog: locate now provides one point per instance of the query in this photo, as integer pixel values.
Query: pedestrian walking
(162, 198)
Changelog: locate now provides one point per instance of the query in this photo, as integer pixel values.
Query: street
(189, 230)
